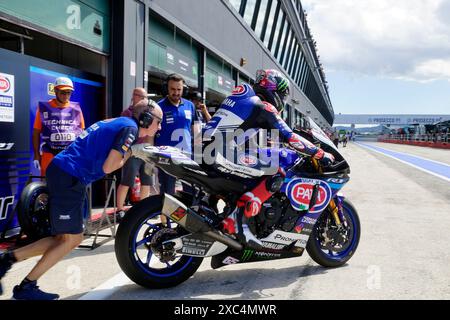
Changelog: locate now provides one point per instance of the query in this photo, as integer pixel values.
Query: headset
(146, 117)
(165, 86)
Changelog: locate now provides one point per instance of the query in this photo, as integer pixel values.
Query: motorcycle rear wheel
(134, 253)
(33, 211)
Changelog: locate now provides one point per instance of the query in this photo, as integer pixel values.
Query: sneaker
(30, 291)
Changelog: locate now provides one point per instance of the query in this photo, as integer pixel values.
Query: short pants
(67, 201)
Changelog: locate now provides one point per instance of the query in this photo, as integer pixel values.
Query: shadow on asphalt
(240, 284)
(107, 247)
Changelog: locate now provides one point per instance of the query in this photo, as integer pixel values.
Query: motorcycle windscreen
(318, 133)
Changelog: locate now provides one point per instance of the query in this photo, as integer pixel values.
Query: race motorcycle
(307, 211)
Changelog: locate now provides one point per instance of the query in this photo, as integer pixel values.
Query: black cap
(195, 95)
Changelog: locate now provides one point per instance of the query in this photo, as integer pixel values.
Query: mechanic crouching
(101, 149)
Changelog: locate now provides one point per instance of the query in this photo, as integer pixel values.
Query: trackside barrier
(441, 141)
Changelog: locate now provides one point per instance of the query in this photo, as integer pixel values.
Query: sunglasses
(65, 93)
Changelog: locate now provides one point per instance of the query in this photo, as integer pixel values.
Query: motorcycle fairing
(301, 190)
(336, 184)
(285, 239)
(198, 245)
(277, 245)
(171, 153)
(247, 255)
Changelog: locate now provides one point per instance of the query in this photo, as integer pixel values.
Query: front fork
(335, 207)
(335, 204)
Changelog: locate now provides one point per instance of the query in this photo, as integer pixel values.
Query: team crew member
(135, 165)
(177, 126)
(200, 108)
(99, 150)
(59, 121)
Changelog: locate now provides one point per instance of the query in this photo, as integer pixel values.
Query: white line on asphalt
(408, 154)
(106, 289)
(409, 164)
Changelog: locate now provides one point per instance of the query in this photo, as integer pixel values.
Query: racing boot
(6, 261)
(246, 237)
(236, 223)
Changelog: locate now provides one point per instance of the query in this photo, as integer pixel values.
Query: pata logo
(4, 84)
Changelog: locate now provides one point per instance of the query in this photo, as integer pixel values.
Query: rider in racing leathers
(257, 108)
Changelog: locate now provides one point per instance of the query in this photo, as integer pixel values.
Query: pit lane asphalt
(403, 252)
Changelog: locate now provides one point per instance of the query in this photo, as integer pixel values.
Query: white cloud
(432, 70)
(407, 39)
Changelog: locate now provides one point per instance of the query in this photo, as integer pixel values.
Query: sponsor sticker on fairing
(299, 228)
(162, 160)
(239, 90)
(272, 245)
(300, 191)
(309, 220)
(248, 160)
(230, 260)
(193, 251)
(178, 214)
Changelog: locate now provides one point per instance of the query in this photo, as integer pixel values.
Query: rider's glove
(37, 165)
(324, 157)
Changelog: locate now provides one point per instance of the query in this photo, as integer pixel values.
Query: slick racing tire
(33, 214)
(133, 248)
(327, 250)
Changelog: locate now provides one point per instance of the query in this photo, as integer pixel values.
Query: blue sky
(352, 93)
(384, 56)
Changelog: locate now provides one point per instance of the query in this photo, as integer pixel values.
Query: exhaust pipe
(193, 222)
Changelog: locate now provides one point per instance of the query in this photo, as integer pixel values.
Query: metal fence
(435, 137)
(435, 140)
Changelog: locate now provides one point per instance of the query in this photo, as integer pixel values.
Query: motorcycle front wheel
(139, 249)
(332, 246)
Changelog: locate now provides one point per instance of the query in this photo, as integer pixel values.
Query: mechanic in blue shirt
(177, 127)
(101, 149)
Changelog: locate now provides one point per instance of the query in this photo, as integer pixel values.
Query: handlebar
(336, 164)
(331, 169)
